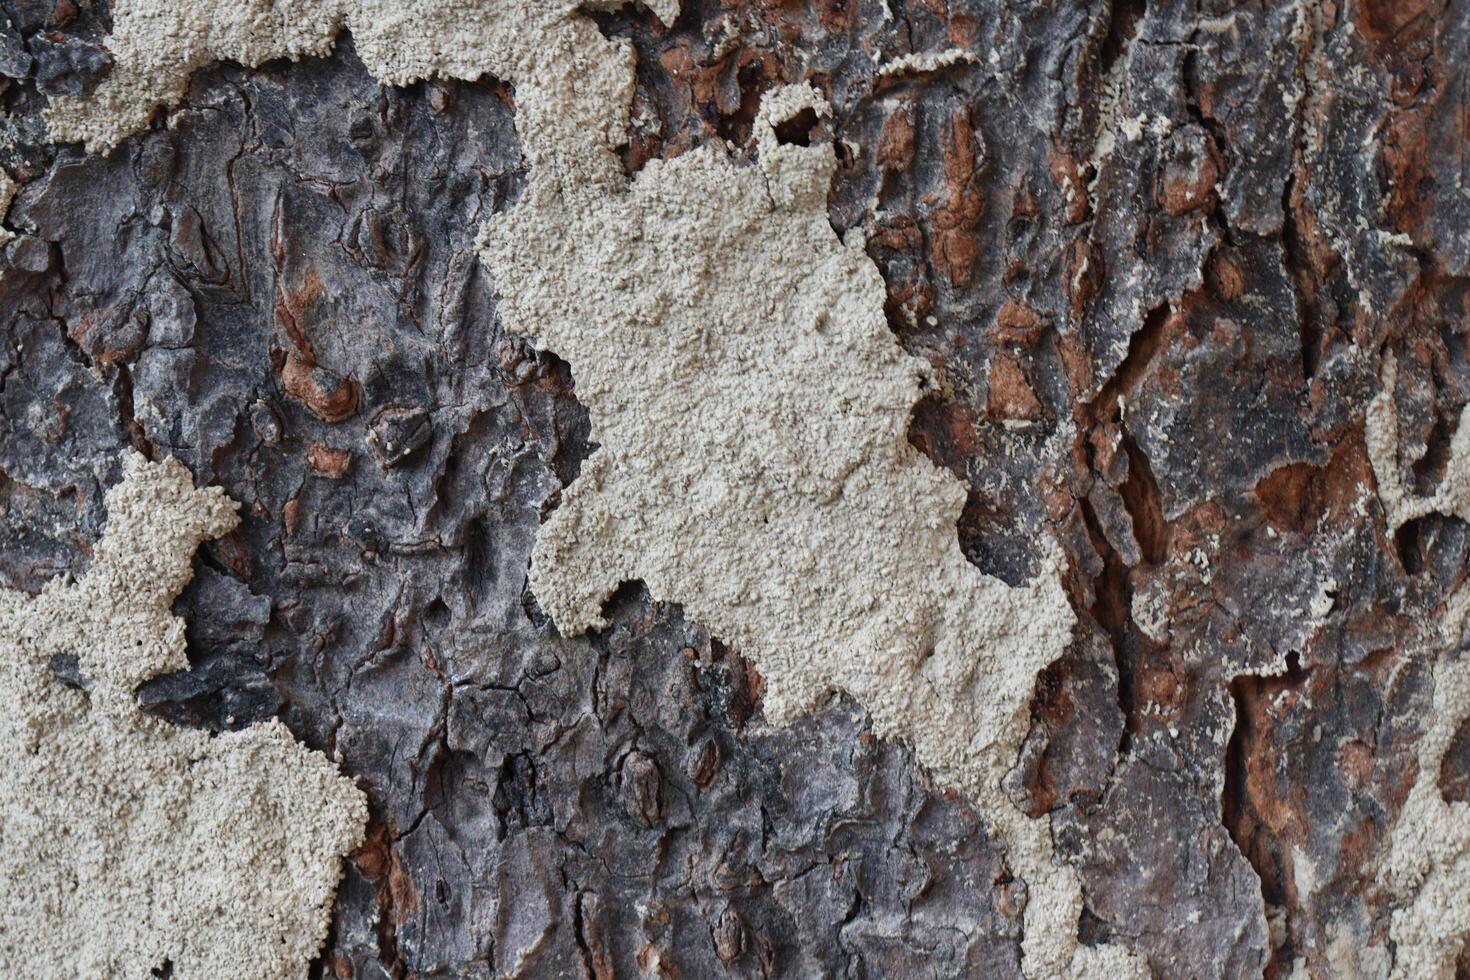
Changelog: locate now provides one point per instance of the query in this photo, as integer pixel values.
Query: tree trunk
(1208, 333)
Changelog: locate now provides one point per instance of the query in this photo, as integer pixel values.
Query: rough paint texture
(1451, 495)
(1190, 232)
(1427, 870)
(130, 845)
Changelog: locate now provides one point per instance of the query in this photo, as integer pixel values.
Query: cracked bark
(1157, 348)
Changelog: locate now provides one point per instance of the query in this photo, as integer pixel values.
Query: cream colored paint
(125, 841)
(573, 86)
(749, 399)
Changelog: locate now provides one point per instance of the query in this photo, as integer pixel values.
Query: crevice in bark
(1295, 256)
(1112, 589)
(123, 387)
(797, 131)
(593, 962)
(1111, 608)
(1429, 469)
(378, 861)
(1144, 504)
(1143, 347)
(1410, 541)
(1249, 747)
(1454, 769)
(1092, 930)
(1141, 499)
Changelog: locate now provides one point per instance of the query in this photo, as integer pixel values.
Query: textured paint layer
(573, 86)
(126, 842)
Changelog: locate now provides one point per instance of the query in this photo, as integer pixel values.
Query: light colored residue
(1381, 433)
(573, 85)
(7, 194)
(1428, 866)
(1150, 611)
(127, 842)
(750, 402)
(924, 62)
(1427, 871)
(751, 406)
(1111, 120)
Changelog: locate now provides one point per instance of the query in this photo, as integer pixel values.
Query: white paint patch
(1428, 867)
(7, 194)
(126, 841)
(573, 86)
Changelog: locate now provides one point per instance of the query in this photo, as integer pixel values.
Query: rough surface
(377, 599)
(789, 515)
(1427, 870)
(1451, 495)
(130, 845)
(573, 80)
(7, 191)
(1155, 255)
(799, 524)
(1428, 867)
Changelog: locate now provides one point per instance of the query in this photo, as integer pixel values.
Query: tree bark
(1157, 254)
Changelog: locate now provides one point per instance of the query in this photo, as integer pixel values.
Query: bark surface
(1157, 332)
